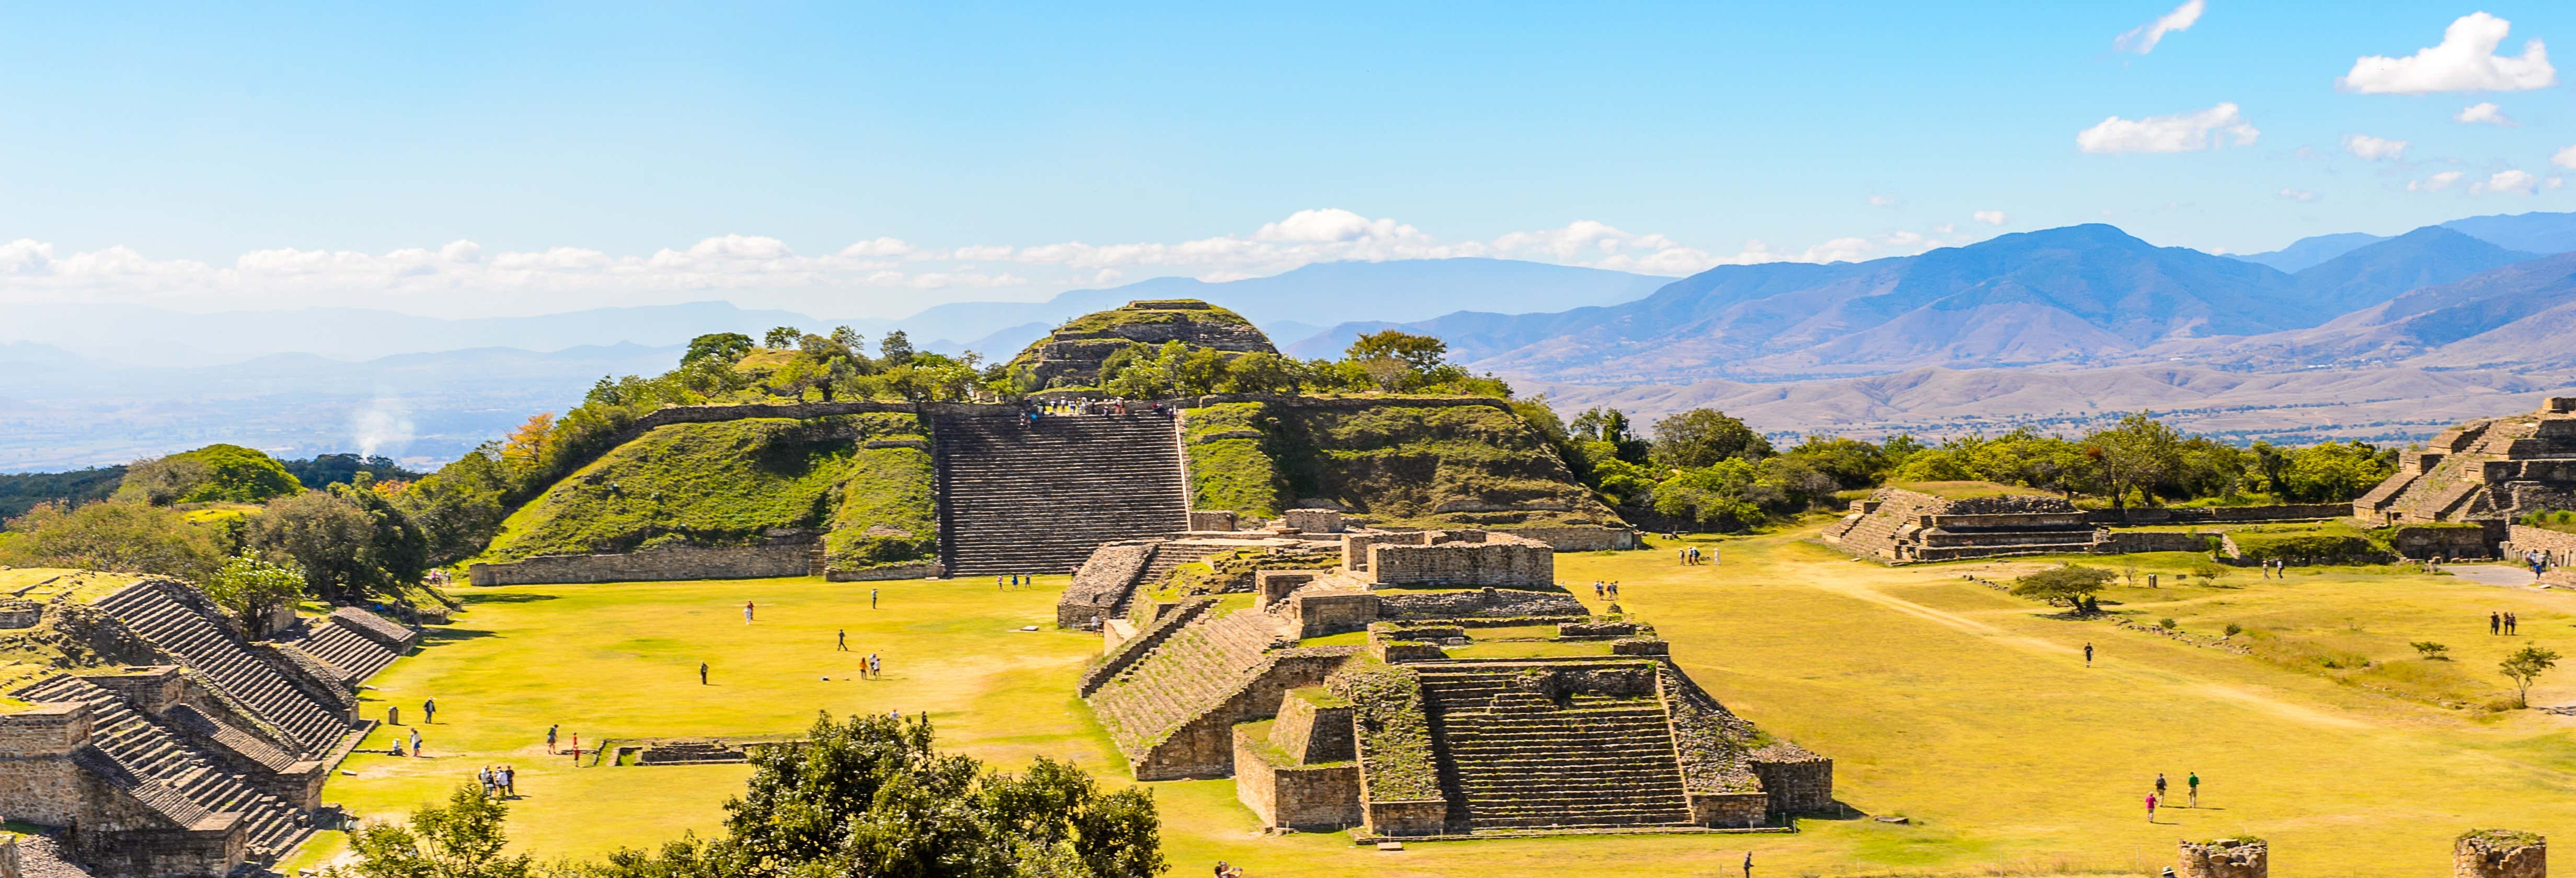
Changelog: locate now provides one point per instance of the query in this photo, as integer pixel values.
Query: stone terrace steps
(1183, 677)
(1517, 760)
(148, 750)
(208, 647)
(328, 640)
(1169, 556)
(1037, 499)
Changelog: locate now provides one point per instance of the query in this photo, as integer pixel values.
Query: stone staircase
(152, 610)
(1516, 760)
(1017, 498)
(336, 643)
(1183, 677)
(162, 770)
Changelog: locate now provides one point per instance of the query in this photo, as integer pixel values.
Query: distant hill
(2305, 252)
(2525, 232)
(2377, 272)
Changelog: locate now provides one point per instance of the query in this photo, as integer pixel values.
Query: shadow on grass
(438, 635)
(515, 597)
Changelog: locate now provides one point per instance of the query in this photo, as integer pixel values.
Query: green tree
(2137, 454)
(849, 340)
(461, 839)
(2333, 472)
(781, 338)
(213, 474)
(722, 347)
(119, 535)
(2072, 584)
(1611, 426)
(895, 348)
(2526, 665)
(252, 586)
(329, 536)
(162, 481)
(1702, 437)
(1851, 463)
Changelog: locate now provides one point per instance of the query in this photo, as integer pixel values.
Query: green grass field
(1966, 710)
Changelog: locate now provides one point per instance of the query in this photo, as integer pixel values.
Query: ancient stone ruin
(1335, 700)
(1899, 526)
(2500, 853)
(2489, 471)
(2225, 858)
(197, 750)
(1073, 353)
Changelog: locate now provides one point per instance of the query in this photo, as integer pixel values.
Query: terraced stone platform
(1022, 497)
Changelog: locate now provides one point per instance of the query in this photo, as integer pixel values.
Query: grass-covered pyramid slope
(1073, 354)
(866, 479)
(1427, 465)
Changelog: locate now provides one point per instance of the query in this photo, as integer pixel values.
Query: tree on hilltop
(727, 347)
(252, 586)
(1702, 437)
(121, 535)
(781, 338)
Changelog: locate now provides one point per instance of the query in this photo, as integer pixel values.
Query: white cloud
(2481, 114)
(2566, 158)
(2435, 183)
(2288, 194)
(2465, 61)
(1989, 217)
(2509, 180)
(2374, 148)
(2185, 132)
(2143, 38)
(1882, 201)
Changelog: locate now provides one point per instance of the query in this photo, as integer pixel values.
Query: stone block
(1355, 547)
(2225, 858)
(152, 690)
(38, 782)
(1415, 817)
(1310, 798)
(1274, 585)
(1313, 727)
(1314, 521)
(1318, 611)
(2500, 853)
(1212, 521)
(1730, 810)
(1641, 646)
(1464, 558)
(1798, 781)
(20, 614)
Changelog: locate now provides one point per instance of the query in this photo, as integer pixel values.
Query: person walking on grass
(429, 711)
(841, 641)
(746, 612)
(702, 673)
(1748, 864)
(2151, 807)
(2510, 623)
(550, 736)
(872, 598)
(2160, 784)
(2088, 653)
(2495, 622)
(2191, 784)
(415, 742)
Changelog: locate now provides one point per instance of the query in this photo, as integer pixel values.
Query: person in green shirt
(2192, 784)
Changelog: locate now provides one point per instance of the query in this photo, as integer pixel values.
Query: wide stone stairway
(1518, 760)
(164, 773)
(160, 616)
(1021, 498)
(336, 639)
(1184, 676)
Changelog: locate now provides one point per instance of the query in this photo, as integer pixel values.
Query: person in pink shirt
(2151, 807)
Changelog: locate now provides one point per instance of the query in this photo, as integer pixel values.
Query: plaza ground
(1965, 710)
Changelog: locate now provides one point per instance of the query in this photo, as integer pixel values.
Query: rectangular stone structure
(1464, 558)
(1212, 521)
(1313, 521)
(657, 564)
(1314, 798)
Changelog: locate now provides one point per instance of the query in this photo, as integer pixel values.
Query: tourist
(2160, 784)
(2088, 653)
(484, 776)
(702, 673)
(1748, 864)
(997, 583)
(2509, 624)
(415, 743)
(2151, 807)
(1598, 590)
(550, 736)
(1614, 589)
(2191, 782)
(875, 669)
(510, 781)
(2495, 622)
(429, 711)
(746, 612)
(841, 640)
(872, 598)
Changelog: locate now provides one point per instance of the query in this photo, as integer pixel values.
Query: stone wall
(2500, 853)
(1212, 522)
(1730, 810)
(665, 562)
(2451, 541)
(2122, 542)
(2224, 858)
(1480, 602)
(1314, 727)
(38, 783)
(1313, 521)
(2560, 546)
(918, 570)
(1274, 585)
(8, 854)
(1798, 781)
(1204, 747)
(2139, 515)
(1318, 611)
(20, 614)
(1418, 817)
(1312, 798)
(1579, 539)
(1455, 558)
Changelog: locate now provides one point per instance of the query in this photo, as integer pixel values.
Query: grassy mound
(1397, 464)
(729, 482)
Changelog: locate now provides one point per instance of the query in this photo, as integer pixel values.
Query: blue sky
(474, 158)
